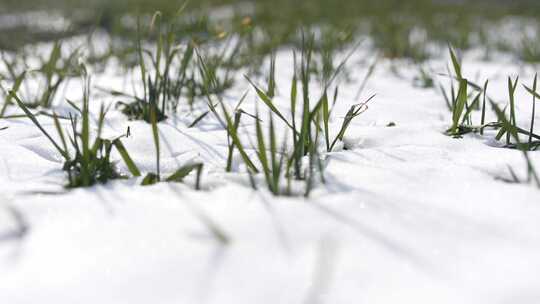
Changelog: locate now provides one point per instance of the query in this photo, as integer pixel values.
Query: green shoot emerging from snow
(165, 82)
(179, 175)
(52, 72)
(87, 161)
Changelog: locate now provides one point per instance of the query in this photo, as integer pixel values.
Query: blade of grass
(36, 122)
(262, 153)
(179, 175)
(459, 107)
(155, 135)
(325, 119)
(268, 101)
(60, 132)
(233, 132)
(455, 63)
(483, 119)
(132, 167)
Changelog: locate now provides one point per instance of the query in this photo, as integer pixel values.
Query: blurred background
(407, 29)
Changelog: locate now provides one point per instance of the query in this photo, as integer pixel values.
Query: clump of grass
(171, 75)
(273, 167)
(275, 163)
(506, 126)
(464, 102)
(53, 71)
(533, 140)
(303, 128)
(308, 128)
(165, 81)
(87, 161)
(219, 66)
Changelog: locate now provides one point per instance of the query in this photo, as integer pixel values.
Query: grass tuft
(87, 161)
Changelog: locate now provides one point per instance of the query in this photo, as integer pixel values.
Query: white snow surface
(409, 215)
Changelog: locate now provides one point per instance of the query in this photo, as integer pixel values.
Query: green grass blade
(85, 136)
(268, 101)
(179, 175)
(60, 132)
(198, 119)
(353, 112)
(32, 117)
(271, 91)
(511, 92)
(294, 93)
(483, 119)
(132, 167)
(470, 108)
(262, 153)
(276, 171)
(150, 179)
(140, 57)
(325, 119)
(237, 119)
(233, 132)
(155, 135)
(459, 106)
(455, 63)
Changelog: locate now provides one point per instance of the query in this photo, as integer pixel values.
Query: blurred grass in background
(398, 28)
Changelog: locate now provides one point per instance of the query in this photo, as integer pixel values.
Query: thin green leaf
(36, 122)
(132, 167)
(268, 101)
(179, 175)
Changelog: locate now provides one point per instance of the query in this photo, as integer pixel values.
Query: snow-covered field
(408, 214)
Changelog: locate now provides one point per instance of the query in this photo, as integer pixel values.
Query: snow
(408, 216)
